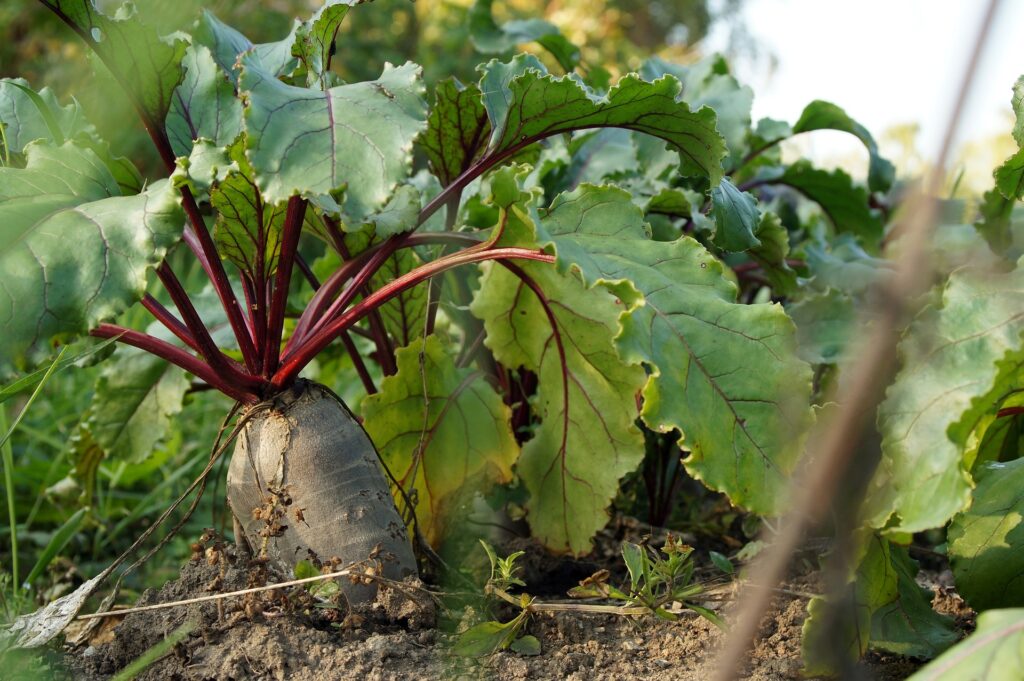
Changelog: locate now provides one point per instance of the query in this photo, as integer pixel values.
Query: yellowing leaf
(463, 445)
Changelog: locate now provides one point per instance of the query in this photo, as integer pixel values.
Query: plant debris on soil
(285, 634)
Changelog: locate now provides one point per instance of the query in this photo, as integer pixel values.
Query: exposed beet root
(305, 477)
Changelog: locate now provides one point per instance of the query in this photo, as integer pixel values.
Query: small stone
(661, 663)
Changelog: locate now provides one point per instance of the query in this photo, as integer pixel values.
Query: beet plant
(525, 275)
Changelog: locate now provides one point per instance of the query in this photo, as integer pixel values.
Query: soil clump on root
(282, 634)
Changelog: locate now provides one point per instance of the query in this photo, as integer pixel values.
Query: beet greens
(519, 281)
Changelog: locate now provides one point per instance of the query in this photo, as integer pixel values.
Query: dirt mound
(283, 635)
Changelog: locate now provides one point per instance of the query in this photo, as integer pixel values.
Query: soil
(281, 635)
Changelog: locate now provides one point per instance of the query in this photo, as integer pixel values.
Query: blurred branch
(834, 442)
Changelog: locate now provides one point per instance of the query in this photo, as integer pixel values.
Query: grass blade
(26, 382)
(8, 460)
(59, 540)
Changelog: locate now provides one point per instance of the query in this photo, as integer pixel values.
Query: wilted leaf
(41, 626)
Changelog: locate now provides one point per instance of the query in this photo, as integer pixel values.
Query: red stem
(1009, 411)
(346, 337)
(219, 277)
(215, 359)
(282, 282)
(300, 356)
(176, 356)
(172, 323)
(357, 360)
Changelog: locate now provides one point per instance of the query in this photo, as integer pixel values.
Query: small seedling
(491, 636)
(656, 581)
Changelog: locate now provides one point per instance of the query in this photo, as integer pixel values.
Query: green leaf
(586, 440)
(1017, 103)
(736, 217)
(147, 65)
(490, 38)
(304, 569)
(844, 265)
(771, 254)
(226, 45)
(708, 82)
(724, 374)
(844, 204)
(891, 612)
(73, 253)
(997, 439)
(357, 137)
(404, 314)
(314, 39)
(994, 220)
(986, 542)
(823, 325)
(399, 214)
(821, 115)
(204, 105)
(721, 562)
(429, 452)
(604, 154)
(951, 365)
(457, 129)
(487, 638)
(525, 104)
(997, 204)
(247, 228)
(634, 557)
(136, 398)
(526, 645)
(992, 653)
(325, 590)
(907, 624)
(27, 115)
